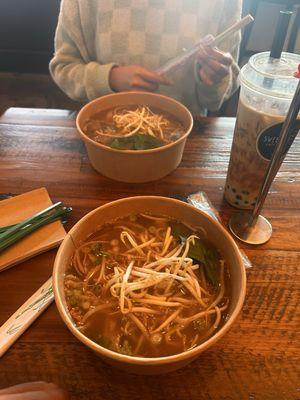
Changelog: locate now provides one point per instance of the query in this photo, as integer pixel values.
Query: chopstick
(232, 29)
(177, 62)
(17, 324)
(12, 234)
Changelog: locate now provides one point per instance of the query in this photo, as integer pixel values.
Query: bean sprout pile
(134, 289)
(124, 123)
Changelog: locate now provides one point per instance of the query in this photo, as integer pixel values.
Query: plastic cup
(267, 88)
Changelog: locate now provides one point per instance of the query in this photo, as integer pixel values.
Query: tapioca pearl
(245, 192)
(238, 197)
(237, 203)
(234, 190)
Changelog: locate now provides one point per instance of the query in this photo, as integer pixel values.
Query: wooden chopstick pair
(17, 324)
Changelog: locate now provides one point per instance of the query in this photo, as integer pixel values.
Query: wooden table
(257, 359)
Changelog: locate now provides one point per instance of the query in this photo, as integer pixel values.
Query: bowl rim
(147, 151)
(188, 354)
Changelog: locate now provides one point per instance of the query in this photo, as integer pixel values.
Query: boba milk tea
(267, 88)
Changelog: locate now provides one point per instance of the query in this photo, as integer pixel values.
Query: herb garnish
(199, 252)
(136, 142)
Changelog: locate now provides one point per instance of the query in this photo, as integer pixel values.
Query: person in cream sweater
(106, 46)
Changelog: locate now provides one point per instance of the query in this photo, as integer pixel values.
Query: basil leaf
(122, 144)
(180, 231)
(136, 142)
(199, 252)
(211, 266)
(144, 142)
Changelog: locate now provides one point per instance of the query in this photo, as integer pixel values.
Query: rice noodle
(200, 315)
(194, 340)
(160, 219)
(133, 243)
(102, 273)
(92, 311)
(126, 122)
(138, 324)
(222, 287)
(78, 264)
(168, 321)
(140, 246)
(175, 330)
(146, 310)
(159, 302)
(151, 285)
(122, 291)
(139, 344)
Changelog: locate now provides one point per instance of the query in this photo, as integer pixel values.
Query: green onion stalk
(9, 235)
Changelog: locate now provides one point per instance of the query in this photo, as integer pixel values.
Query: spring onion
(11, 234)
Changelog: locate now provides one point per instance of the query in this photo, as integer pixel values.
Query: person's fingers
(152, 76)
(212, 70)
(59, 394)
(56, 394)
(135, 89)
(144, 88)
(207, 52)
(166, 81)
(28, 387)
(139, 82)
(205, 77)
(219, 69)
(212, 75)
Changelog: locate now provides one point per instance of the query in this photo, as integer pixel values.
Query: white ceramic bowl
(159, 206)
(135, 165)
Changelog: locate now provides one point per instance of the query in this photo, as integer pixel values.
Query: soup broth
(133, 128)
(147, 286)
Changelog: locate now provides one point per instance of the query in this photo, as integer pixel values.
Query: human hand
(135, 77)
(214, 65)
(34, 391)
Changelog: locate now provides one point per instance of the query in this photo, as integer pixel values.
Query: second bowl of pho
(148, 282)
(134, 136)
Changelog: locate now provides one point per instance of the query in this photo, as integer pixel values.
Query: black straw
(278, 42)
(280, 34)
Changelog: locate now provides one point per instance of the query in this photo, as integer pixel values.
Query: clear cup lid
(271, 76)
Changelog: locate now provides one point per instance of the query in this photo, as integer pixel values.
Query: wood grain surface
(257, 360)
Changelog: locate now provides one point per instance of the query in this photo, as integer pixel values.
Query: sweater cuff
(97, 79)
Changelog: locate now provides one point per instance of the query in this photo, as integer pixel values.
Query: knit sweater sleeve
(212, 97)
(72, 68)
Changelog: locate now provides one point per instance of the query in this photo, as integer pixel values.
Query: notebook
(18, 208)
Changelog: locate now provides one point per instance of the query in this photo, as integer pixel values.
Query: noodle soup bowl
(174, 209)
(135, 166)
